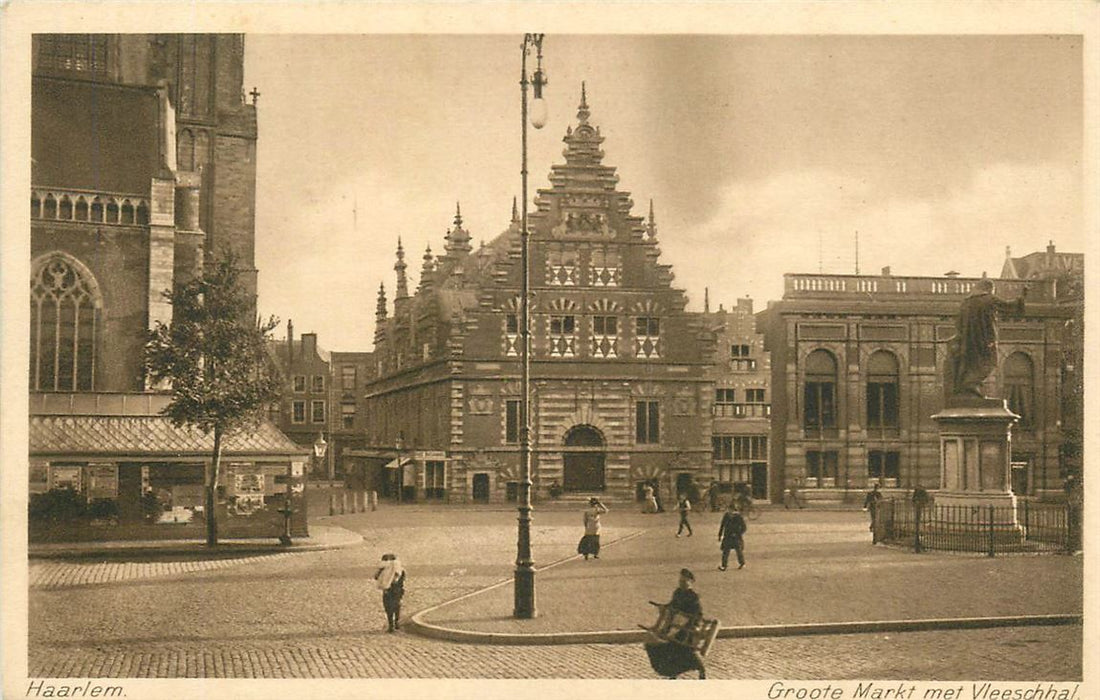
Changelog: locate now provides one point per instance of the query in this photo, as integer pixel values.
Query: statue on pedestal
(972, 354)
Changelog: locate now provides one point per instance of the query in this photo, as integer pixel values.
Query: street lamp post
(524, 607)
(399, 443)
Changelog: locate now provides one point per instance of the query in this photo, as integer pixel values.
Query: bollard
(331, 503)
(374, 500)
(360, 506)
(916, 529)
(343, 502)
(992, 551)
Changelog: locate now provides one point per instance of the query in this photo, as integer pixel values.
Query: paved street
(315, 614)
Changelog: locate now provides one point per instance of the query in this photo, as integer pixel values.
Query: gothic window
(819, 394)
(97, 211)
(78, 53)
(49, 207)
(563, 339)
(127, 212)
(605, 336)
(65, 210)
(511, 335)
(1020, 387)
(64, 326)
(882, 393)
(647, 422)
(606, 267)
(195, 79)
(647, 336)
(36, 206)
(81, 209)
(112, 211)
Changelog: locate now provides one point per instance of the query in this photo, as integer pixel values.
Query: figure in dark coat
(731, 533)
(390, 579)
(973, 351)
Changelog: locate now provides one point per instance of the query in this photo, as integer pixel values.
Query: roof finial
(706, 300)
(380, 309)
(582, 110)
(399, 267)
(651, 225)
(515, 211)
(458, 214)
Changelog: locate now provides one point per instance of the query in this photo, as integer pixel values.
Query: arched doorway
(584, 463)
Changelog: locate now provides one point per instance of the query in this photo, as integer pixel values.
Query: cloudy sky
(762, 154)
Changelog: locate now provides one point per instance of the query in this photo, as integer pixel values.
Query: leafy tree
(213, 355)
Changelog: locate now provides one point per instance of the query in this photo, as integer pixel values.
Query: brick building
(742, 399)
(857, 373)
(620, 392)
(143, 162)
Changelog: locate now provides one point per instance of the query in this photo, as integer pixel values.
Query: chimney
(745, 305)
(886, 271)
(1050, 248)
(289, 342)
(309, 346)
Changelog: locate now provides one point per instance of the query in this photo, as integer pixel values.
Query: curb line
(825, 628)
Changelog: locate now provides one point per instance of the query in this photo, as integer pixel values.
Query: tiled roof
(151, 435)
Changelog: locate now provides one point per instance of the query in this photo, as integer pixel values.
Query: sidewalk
(799, 580)
(321, 537)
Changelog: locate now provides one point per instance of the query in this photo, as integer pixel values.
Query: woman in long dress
(590, 543)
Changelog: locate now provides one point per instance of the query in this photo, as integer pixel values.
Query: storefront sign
(67, 477)
(431, 455)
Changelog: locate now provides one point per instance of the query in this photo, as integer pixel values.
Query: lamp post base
(524, 593)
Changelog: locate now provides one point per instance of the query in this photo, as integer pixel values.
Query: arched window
(81, 209)
(127, 212)
(142, 214)
(64, 310)
(112, 211)
(1019, 388)
(36, 206)
(49, 210)
(819, 395)
(65, 210)
(97, 210)
(882, 393)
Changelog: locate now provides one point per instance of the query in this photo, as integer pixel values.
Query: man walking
(870, 503)
(684, 507)
(731, 533)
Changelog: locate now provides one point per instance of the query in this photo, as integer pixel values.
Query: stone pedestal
(975, 461)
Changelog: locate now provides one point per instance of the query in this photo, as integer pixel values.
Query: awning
(392, 464)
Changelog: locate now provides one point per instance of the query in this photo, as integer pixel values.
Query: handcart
(677, 640)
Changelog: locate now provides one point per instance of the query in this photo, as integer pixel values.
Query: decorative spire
(458, 238)
(515, 212)
(582, 110)
(426, 269)
(651, 225)
(399, 267)
(380, 310)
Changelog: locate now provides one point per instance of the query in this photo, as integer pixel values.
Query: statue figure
(972, 354)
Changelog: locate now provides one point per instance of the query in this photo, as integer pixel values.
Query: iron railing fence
(1030, 526)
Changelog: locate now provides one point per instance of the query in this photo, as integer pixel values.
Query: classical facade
(143, 163)
(620, 392)
(857, 372)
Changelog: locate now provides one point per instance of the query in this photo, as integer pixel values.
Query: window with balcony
(647, 423)
(1020, 388)
(563, 337)
(605, 336)
(882, 394)
(819, 412)
(647, 336)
